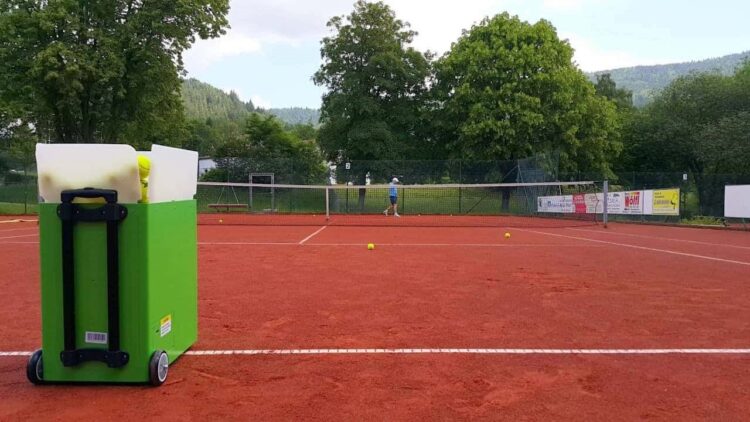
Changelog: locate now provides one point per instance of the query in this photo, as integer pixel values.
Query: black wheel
(35, 368)
(158, 368)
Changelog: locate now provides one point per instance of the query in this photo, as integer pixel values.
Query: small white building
(205, 164)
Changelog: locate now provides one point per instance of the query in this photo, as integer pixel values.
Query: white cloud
(591, 58)
(563, 4)
(206, 52)
(260, 102)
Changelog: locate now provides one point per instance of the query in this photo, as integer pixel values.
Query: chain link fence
(701, 195)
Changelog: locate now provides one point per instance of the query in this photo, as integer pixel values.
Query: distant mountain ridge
(647, 81)
(297, 115)
(204, 101)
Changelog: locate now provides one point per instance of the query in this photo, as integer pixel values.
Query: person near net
(393, 196)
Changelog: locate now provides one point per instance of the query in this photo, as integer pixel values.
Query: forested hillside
(647, 81)
(297, 115)
(203, 101)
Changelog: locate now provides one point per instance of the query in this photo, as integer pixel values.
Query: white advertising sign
(737, 201)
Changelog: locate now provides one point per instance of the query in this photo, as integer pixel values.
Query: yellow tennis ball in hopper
(144, 166)
(370, 246)
(507, 235)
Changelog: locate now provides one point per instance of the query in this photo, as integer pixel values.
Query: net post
(605, 210)
(328, 203)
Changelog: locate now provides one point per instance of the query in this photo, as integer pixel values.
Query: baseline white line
(16, 237)
(401, 351)
(19, 243)
(302, 242)
(17, 221)
(249, 243)
(661, 238)
(667, 251)
(478, 245)
(471, 245)
(17, 230)
(8, 354)
(461, 351)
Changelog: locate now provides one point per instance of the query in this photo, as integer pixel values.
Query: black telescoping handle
(112, 214)
(109, 195)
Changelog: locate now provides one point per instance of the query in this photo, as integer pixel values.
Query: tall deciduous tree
(101, 70)
(607, 87)
(267, 147)
(697, 124)
(376, 82)
(508, 89)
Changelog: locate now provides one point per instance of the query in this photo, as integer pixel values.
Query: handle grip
(109, 195)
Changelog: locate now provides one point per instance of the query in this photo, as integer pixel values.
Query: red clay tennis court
(302, 321)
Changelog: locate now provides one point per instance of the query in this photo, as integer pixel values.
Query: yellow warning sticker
(165, 325)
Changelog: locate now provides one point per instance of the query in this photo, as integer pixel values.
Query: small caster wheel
(35, 368)
(158, 368)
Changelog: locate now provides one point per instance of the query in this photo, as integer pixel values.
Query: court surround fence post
(328, 202)
(605, 205)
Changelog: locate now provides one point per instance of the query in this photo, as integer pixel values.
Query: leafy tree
(101, 70)
(696, 124)
(606, 87)
(306, 132)
(375, 83)
(267, 147)
(508, 89)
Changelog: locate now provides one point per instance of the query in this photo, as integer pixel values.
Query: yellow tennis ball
(507, 235)
(221, 221)
(370, 246)
(144, 166)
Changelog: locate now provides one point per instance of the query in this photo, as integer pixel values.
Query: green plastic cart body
(157, 290)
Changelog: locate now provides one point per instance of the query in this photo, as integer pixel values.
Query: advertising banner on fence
(633, 202)
(737, 201)
(615, 202)
(556, 204)
(666, 202)
(642, 202)
(579, 203)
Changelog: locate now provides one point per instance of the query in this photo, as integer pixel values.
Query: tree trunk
(506, 200)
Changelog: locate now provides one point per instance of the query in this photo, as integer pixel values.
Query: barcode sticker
(96, 338)
(165, 325)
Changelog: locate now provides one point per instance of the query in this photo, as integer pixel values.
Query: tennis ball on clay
(221, 221)
(370, 246)
(507, 235)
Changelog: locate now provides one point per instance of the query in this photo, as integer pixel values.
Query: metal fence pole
(605, 210)
(328, 209)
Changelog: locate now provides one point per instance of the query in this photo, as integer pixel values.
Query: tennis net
(498, 205)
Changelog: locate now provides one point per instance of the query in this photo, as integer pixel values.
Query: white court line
(710, 258)
(17, 221)
(16, 237)
(249, 243)
(464, 351)
(478, 245)
(471, 245)
(302, 242)
(401, 351)
(17, 230)
(19, 243)
(662, 238)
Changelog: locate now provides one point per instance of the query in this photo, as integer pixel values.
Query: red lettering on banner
(579, 201)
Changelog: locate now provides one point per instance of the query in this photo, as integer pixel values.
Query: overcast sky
(273, 47)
